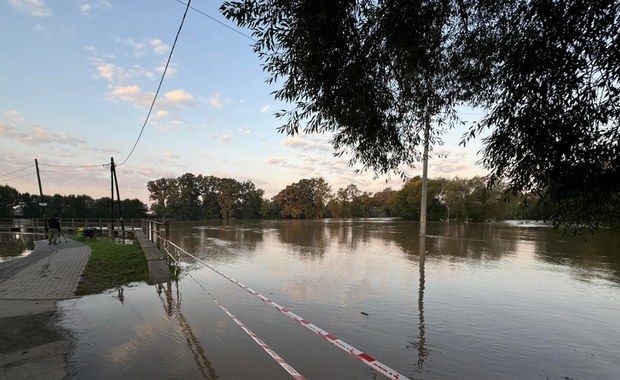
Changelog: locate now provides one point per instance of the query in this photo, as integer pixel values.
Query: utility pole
(424, 180)
(118, 197)
(112, 191)
(41, 203)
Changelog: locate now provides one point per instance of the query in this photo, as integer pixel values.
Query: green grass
(112, 264)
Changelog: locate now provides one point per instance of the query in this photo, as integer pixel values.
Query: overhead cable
(218, 21)
(160, 83)
(19, 176)
(15, 171)
(75, 166)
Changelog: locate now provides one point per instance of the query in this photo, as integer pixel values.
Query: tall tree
(208, 188)
(187, 203)
(374, 73)
(161, 191)
(304, 199)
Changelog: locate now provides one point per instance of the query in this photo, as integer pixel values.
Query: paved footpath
(31, 346)
(52, 272)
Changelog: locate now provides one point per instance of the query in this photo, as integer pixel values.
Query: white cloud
(306, 143)
(276, 160)
(14, 116)
(159, 46)
(88, 7)
(106, 71)
(130, 94)
(265, 108)
(40, 29)
(171, 155)
(216, 101)
(36, 8)
(179, 96)
(7, 130)
(224, 137)
(161, 113)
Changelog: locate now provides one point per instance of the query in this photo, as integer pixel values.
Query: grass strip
(112, 264)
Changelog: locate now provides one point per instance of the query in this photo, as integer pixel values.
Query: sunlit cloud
(161, 113)
(179, 96)
(224, 137)
(118, 75)
(106, 71)
(89, 7)
(159, 46)
(276, 160)
(130, 94)
(170, 155)
(308, 143)
(7, 130)
(36, 8)
(156, 45)
(14, 116)
(40, 29)
(216, 101)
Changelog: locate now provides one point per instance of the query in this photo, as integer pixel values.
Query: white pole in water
(424, 182)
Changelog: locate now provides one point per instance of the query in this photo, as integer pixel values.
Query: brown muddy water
(471, 301)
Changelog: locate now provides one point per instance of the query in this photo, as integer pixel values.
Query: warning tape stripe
(287, 367)
(363, 357)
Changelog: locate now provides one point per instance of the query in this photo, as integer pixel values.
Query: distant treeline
(194, 197)
(13, 203)
(207, 197)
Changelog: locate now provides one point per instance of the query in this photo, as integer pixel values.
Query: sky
(77, 78)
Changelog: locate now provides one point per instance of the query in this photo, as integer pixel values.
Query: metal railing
(156, 231)
(38, 225)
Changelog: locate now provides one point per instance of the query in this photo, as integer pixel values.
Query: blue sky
(77, 78)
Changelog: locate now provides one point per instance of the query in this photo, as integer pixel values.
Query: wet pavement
(30, 344)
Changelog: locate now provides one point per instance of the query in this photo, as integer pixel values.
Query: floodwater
(471, 301)
(14, 245)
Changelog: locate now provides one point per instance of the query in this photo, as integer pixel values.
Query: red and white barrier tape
(287, 367)
(365, 358)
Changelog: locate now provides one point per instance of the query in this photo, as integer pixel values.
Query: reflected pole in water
(172, 306)
(420, 344)
(422, 352)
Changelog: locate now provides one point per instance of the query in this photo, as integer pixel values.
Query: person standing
(54, 230)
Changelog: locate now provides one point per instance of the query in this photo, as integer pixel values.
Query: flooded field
(471, 301)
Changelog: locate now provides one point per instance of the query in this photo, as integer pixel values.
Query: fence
(156, 231)
(71, 225)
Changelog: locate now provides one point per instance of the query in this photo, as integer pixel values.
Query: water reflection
(482, 243)
(171, 302)
(479, 301)
(15, 245)
(420, 344)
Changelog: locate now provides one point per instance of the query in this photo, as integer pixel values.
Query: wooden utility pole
(112, 191)
(118, 196)
(113, 184)
(41, 203)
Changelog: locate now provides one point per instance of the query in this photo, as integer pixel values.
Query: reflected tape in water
(365, 358)
(287, 367)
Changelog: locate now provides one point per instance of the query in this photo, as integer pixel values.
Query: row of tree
(194, 197)
(207, 197)
(13, 203)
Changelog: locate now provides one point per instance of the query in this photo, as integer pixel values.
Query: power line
(19, 176)
(75, 166)
(15, 171)
(218, 21)
(160, 83)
